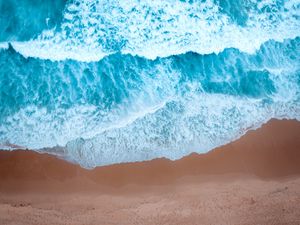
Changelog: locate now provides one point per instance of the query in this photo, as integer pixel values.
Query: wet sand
(254, 180)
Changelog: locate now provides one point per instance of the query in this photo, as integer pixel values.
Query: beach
(149, 112)
(253, 180)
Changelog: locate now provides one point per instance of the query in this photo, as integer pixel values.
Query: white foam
(3, 45)
(179, 125)
(93, 29)
(207, 121)
(36, 127)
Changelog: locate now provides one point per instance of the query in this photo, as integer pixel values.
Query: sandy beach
(254, 180)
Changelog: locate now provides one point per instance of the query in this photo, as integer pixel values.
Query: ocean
(100, 82)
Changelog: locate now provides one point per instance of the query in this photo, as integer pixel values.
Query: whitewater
(100, 82)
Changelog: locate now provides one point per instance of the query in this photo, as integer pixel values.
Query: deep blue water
(102, 82)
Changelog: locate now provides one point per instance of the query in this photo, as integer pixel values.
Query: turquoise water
(103, 82)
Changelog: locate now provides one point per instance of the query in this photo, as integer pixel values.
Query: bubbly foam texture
(126, 108)
(136, 80)
(93, 29)
(192, 124)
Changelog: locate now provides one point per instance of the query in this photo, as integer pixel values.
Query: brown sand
(254, 180)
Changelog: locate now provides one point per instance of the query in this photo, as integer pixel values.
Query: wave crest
(93, 29)
(126, 108)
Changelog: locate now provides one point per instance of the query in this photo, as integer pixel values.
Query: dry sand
(254, 180)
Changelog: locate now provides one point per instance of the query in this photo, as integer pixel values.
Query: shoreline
(253, 180)
(249, 154)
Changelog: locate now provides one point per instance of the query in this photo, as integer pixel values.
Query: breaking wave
(92, 29)
(106, 82)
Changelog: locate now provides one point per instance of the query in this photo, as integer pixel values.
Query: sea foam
(94, 29)
(121, 81)
(126, 108)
